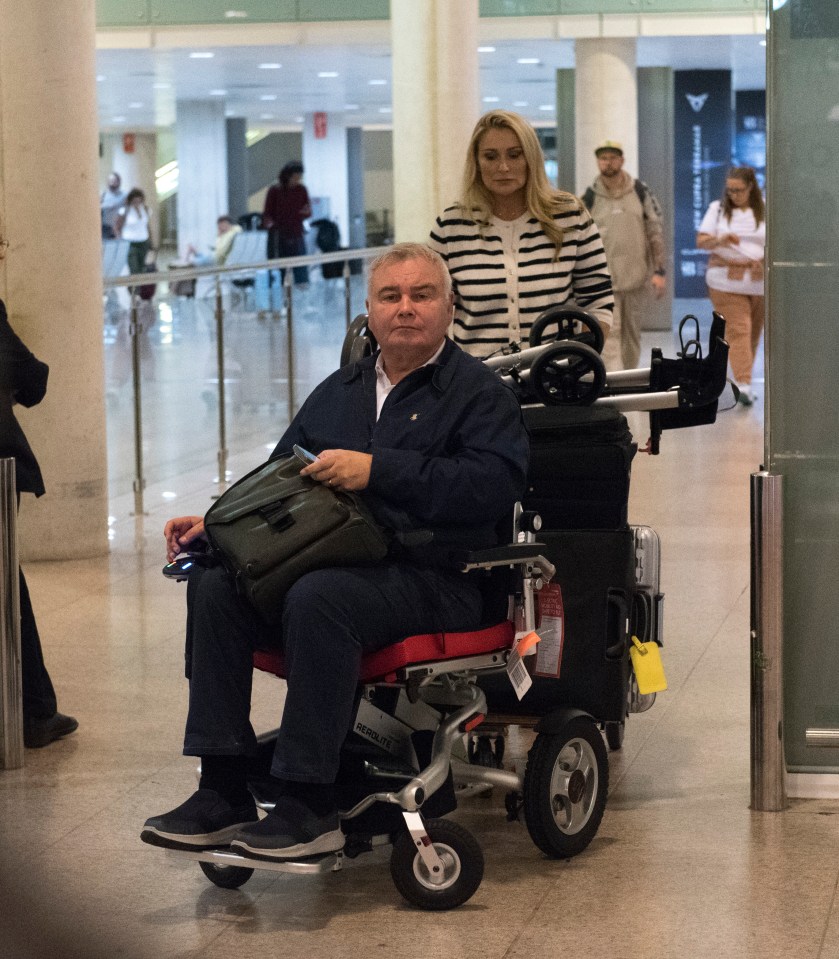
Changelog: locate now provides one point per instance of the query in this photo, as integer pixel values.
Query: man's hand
(658, 283)
(180, 532)
(341, 469)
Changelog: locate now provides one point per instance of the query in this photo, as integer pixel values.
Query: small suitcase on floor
(580, 459)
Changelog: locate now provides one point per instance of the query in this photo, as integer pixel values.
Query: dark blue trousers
(330, 618)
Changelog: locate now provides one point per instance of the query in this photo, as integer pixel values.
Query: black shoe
(290, 831)
(38, 733)
(205, 821)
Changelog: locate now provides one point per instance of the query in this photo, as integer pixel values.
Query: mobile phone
(304, 455)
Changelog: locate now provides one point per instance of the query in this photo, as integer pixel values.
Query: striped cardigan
(482, 320)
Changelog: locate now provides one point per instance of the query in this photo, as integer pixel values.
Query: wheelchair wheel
(463, 867)
(565, 787)
(567, 374)
(226, 877)
(359, 341)
(571, 324)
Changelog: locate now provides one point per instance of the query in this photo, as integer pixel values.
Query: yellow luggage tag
(649, 669)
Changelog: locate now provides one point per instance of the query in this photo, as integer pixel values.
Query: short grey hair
(400, 252)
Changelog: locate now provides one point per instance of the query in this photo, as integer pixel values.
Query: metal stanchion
(139, 479)
(768, 793)
(287, 290)
(222, 405)
(11, 701)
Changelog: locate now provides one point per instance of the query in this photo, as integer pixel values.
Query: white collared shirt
(383, 384)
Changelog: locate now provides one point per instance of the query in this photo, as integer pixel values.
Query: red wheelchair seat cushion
(427, 647)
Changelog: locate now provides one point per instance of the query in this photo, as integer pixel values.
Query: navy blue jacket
(449, 450)
(23, 379)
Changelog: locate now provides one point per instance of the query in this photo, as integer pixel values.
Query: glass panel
(330, 10)
(803, 421)
(177, 333)
(216, 11)
(121, 13)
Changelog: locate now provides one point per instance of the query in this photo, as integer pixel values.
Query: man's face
(408, 310)
(114, 182)
(610, 163)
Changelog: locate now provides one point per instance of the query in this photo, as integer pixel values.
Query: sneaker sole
(325, 843)
(212, 840)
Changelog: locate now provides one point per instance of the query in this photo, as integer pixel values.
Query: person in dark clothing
(431, 439)
(286, 207)
(23, 379)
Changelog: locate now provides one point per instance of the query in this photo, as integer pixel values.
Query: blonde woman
(514, 244)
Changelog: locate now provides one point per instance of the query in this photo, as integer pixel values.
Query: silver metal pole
(287, 289)
(768, 792)
(222, 405)
(11, 698)
(139, 479)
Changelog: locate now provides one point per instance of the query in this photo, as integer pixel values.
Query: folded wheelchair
(434, 710)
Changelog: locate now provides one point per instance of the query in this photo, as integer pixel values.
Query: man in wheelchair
(432, 440)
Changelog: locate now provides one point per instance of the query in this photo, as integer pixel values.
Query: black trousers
(38, 694)
(330, 618)
(279, 246)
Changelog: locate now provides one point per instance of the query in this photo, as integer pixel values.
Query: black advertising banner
(750, 131)
(702, 151)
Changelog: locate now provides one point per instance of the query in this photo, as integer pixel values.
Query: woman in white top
(734, 230)
(132, 224)
(514, 244)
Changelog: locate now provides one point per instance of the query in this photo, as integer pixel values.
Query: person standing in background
(734, 230)
(287, 205)
(109, 203)
(514, 244)
(23, 379)
(133, 223)
(629, 219)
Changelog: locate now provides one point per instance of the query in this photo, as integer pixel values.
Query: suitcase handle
(617, 623)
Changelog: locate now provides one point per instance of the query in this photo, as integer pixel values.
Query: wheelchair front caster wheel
(463, 867)
(226, 877)
(614, 734)
(565, 787)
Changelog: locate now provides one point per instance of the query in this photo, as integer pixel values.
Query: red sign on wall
(320, 126)
(128, 143)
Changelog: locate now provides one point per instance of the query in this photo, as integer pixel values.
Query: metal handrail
(218, 274)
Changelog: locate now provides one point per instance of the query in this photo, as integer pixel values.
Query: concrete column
(606, 103)
(51, 277)
(238, 188)
(357, 236)
(435, 106)
(325, 164)
(202, 170)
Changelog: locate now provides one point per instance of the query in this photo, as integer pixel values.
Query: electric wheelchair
(433, 710)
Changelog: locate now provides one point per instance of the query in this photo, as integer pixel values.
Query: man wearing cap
(629, 219)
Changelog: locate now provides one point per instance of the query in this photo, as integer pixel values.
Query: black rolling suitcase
(580, 459)
(595, 574)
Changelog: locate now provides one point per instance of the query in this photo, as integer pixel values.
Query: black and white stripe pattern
(476, 264)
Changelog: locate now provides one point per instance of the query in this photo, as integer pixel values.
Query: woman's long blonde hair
(543, 200)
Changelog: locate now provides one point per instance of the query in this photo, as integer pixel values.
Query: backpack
(641, 190)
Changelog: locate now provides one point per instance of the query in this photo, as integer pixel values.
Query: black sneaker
(38, 733)
(290, 831)
(205, 821)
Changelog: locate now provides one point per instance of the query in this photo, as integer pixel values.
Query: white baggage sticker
(551, 631)
(516, 670)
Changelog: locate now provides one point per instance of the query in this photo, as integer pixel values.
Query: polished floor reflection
(680, 869)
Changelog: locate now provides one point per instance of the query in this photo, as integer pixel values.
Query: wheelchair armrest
(511, 554)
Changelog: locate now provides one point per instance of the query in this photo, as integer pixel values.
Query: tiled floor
(680, 868)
